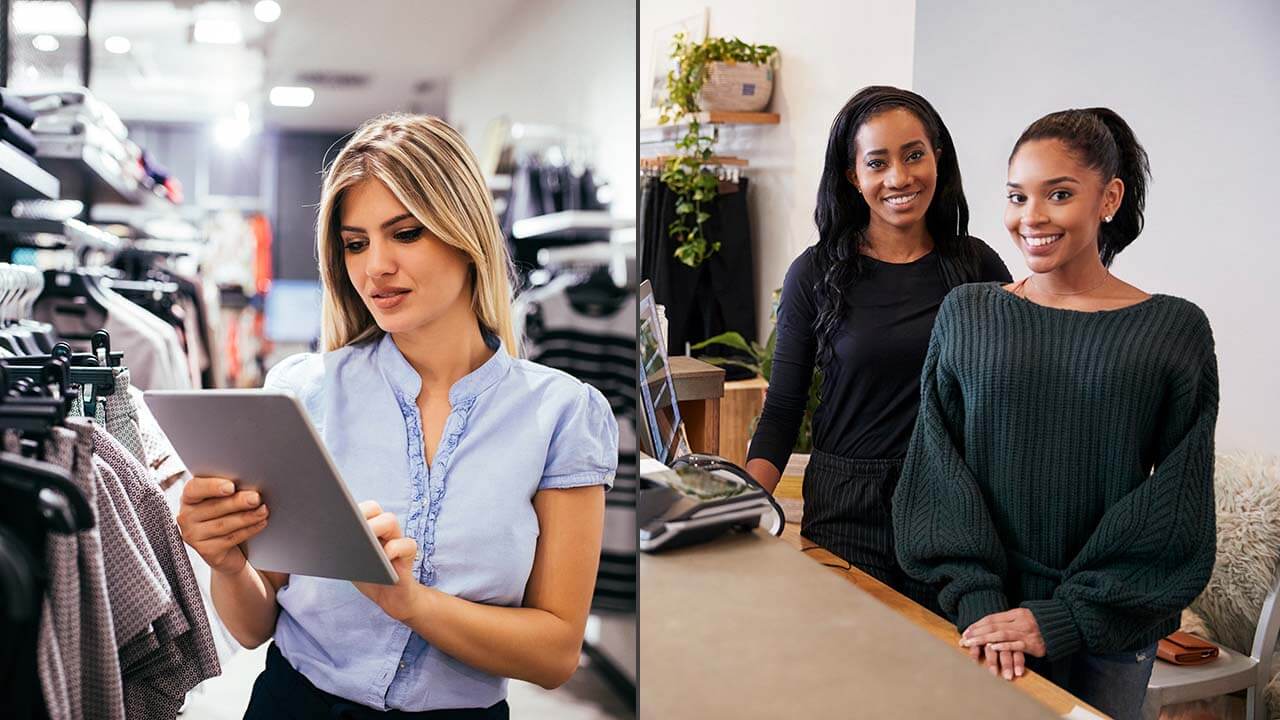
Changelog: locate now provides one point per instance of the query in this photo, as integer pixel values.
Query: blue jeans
(1115, 683)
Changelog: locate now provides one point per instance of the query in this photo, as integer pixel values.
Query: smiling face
(407, 277)
(895, 168)
(1056, 205)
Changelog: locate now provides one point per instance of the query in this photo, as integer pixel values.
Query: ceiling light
(218, 32)
(35, 17)
(117, 44)
(267, 11)
(45, 43)
(230, 132)
(286, 96)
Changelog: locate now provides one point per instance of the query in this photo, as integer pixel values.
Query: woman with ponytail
(1059, 483)
(892, 241)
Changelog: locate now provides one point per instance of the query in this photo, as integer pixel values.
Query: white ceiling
(406, 49)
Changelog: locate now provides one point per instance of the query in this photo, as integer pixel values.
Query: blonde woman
(483, 474)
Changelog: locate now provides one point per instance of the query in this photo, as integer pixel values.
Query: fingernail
(262, 510)
(1008, 675)
(1019, 671)
(227, 488)
(253, 498)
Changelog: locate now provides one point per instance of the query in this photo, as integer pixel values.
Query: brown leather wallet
(1183, 648)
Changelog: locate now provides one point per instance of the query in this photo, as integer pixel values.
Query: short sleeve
(284, 375)
(584, 445)
(302, 376)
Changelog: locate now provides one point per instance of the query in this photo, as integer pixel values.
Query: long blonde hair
(429, 168)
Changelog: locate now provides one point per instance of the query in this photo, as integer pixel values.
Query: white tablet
(264, 441)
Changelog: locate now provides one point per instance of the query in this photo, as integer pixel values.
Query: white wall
(829, 49)
(1197, 82)
(560, 62)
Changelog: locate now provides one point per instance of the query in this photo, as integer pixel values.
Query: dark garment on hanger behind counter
(718, 295)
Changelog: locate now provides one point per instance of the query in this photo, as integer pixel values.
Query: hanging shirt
(514, 428)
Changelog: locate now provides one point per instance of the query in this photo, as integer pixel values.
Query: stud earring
(1106, 219)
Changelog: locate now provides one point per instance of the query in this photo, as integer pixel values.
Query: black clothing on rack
(715, 297)
(16, 108)
(12, 132)
(539, 188)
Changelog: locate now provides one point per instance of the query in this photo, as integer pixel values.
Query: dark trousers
(282, 693)
(718, 295)
(848, 510)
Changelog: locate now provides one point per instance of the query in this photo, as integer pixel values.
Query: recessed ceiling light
(35, 17)
(267, 11)
(286, 96)
(45, 43)
(218, 32)
(117, 44)
(231, 132)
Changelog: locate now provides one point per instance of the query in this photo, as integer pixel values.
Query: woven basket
(736, 87)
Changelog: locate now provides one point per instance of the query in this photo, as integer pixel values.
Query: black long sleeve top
(871, 388)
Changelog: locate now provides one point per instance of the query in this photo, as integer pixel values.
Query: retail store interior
(170, 153)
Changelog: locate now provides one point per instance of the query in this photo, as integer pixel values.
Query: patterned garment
(137, 587)
(156, 681)
(76, 653)
(159, 455)
(122, 416)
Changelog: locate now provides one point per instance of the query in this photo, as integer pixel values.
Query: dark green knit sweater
(1029, 480)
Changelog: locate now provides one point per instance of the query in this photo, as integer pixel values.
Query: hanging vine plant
(685, 173)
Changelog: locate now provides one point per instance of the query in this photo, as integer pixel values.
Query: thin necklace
(1106, 276)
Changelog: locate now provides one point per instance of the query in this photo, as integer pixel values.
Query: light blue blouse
(515, 427)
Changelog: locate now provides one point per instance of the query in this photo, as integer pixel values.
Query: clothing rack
(568, 221)
(726, 167)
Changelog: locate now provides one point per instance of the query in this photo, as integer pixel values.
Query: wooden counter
(1055, 698)
(699, 387)
(747, 627)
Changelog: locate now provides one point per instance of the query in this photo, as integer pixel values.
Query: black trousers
(848, 510)
(283, 693)
(714, 297)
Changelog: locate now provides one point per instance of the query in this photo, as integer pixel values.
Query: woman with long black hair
(1059, 485)
(892, 241)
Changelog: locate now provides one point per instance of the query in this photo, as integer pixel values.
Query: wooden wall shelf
(657, 162)
(717, 117)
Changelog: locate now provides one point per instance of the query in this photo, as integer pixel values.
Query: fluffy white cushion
(1247, 495)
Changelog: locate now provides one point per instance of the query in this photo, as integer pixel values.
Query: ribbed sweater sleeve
(944, 532)
(793, 359)
(1152, 552)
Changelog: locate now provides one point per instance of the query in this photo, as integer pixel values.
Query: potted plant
(685, 172)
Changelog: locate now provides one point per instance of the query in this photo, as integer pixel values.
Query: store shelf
(568, 221)
(659, 162)
(22, 179)
(60, 233)
(719, 117)
(81, 167)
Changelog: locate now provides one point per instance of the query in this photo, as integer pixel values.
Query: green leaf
(720, 361)
(684, 208)
(703, 217)
(732, 339)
